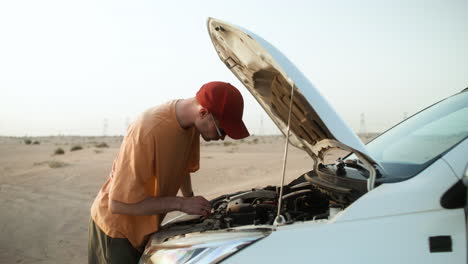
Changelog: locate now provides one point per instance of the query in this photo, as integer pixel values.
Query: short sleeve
(194, 159)
(133, 167)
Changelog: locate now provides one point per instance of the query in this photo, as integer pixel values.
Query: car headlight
(207, 247)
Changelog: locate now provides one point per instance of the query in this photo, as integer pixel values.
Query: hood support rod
(279, 220)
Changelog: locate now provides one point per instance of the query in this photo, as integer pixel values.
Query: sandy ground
(45, 199)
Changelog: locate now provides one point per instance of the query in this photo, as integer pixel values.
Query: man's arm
(186, 186)
(159, 205)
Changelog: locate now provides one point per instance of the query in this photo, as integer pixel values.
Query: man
(155, 160)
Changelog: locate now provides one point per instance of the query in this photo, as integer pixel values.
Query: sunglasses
(220, 131)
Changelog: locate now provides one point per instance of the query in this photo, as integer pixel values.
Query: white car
(399, 199)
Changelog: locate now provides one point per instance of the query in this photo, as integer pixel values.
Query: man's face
(209, 127)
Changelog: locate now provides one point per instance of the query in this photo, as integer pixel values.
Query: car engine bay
(309, 197)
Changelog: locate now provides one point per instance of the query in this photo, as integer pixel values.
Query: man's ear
(203, 112)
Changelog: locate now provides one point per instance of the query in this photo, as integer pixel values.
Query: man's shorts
(105, 249)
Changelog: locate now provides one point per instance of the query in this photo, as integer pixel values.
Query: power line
(260, 131)
(362, 128)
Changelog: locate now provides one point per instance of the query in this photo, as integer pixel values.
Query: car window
(428, 141)
(414, 144)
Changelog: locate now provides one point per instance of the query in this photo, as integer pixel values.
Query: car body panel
(269, 75)
(456, 158)
(394, 239)
(418, 194)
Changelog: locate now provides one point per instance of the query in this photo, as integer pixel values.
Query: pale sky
(69, 67)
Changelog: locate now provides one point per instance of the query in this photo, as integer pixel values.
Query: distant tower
(362, 128)
(105, 124)
(260, 131)
(127, 124)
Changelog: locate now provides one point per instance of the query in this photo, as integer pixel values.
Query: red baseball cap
(225, 102)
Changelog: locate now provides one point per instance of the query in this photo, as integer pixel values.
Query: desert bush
(59, 151)
(227, 143)
(27, 141)
(102, 145)
(76, 147)
(35, 142)
(56, 164)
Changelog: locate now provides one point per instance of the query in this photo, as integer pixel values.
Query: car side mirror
(455, 197)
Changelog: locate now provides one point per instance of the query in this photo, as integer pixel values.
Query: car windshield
(414, 144)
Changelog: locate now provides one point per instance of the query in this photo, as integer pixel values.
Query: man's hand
(196, 205)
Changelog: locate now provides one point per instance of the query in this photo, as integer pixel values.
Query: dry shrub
(59, 151)
(102, 145)
(27, 141)
(54, 164)
(76, 147)
(35, 142)
(227, 143)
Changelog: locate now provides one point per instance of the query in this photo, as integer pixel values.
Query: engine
(301, 202)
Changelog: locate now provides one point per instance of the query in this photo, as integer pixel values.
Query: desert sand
(45, 199)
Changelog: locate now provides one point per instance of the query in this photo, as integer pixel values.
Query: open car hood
(269, 76)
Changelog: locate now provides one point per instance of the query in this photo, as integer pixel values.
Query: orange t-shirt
(153, 160)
